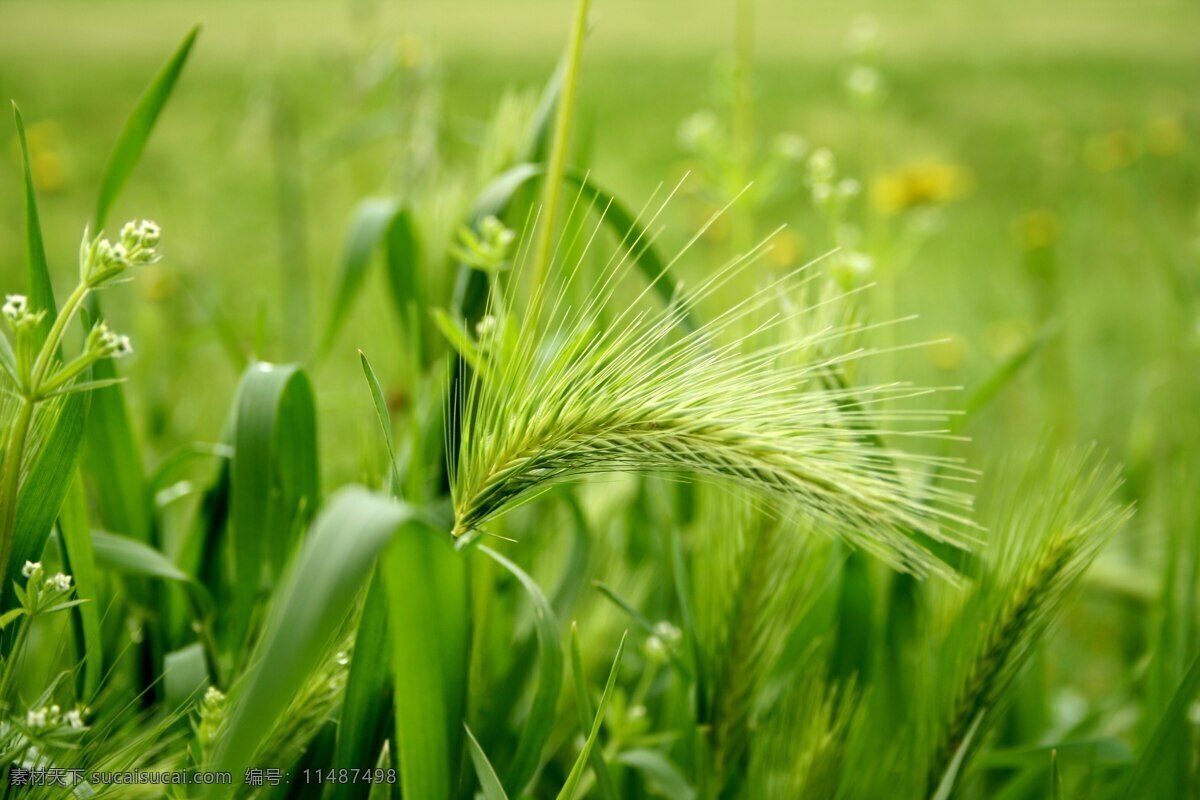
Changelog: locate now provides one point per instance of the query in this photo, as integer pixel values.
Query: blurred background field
(1017, 171)
(1074, 129)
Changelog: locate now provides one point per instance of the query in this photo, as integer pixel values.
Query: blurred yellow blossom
(949, 352)
(46, 159)
(1165, 136)
(787, 248)
(1037, 229)
(1005, 338)
(923, 183)
(1111, 151)
(410, 51)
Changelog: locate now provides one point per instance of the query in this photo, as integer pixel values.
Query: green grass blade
(489, 782)
(114, 461)
(946, 785)
(138, 127)
(382, 414)
(572, 782)
(51, 470)
(81, 565)
(185, 674)
(428, 614)
(1163, 768)
(539, 724)
(1003, 375)
(367, 703)
(368, 224)
(583, 704)
(557, 160)
(306, 615)
(402, 263)
(37, 271)
(1056, 783)
(274, 477)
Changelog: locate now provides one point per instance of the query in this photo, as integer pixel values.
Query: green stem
(10, 480)
(558, 153)
(50, 346)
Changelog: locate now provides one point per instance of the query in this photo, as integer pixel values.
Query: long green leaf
(367, 702)
(37, 271)
(274, 477)
(307, 614)
(583, 703)
(51, 470)
(427, 614)
(368, 224)
(539, 724)
(402, 263)
(489, 782)
(572, 782)
(81, 564)
(138, 127)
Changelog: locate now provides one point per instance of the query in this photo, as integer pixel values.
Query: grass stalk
(552, 188)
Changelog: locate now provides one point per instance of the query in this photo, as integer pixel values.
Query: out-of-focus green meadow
(1084, 116)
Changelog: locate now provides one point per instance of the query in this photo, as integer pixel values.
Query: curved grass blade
(489, 782)
(122, 554)
(572, 782)
(138, 127)
(306, 616)
(428, 612)
(274, 477)
(368, 223)
(37, 271)
(539, 724)
(381, 413)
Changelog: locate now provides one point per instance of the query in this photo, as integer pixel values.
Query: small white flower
(31, 568)
(123, 347)
(36, 718)
(213, 695)
(75, 719)
(60, 582)
(15, 305)
(791, 146)
(485, 326)
(864, 81)
(848, 187)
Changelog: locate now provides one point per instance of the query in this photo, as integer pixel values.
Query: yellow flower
(787, 247)
(1006, 337)
(1037, 229)
(948, 353)
(1165, 136)
(1111, 151)
(924, 183)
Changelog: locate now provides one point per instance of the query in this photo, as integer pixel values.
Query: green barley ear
(1046, 530)
(755, 576)
(741, 400)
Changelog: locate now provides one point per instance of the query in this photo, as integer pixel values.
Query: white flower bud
(15, 305)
